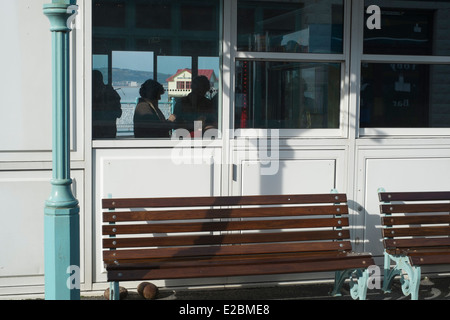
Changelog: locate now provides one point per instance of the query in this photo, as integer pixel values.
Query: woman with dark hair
(149, 121)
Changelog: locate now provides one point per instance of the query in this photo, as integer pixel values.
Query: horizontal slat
(222, 201)
(414, 196)
(415, 208)
(241, 270)
(223, 213)
(225, 260)
(431, 259)
(402, 220)
(416, 231)
(223, 226)
(225, 250)
(225, 239)
(413, 243)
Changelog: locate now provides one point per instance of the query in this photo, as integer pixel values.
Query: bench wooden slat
(226, 260)
(412, 243)
(415, 208)
(247, 249)
(224, 226)
(114, 216)
(402, 220)
(222, 201)
(416, 231)
(430, 259)
(414, 196)
(240, 270)
(225, 239)
(178, 262)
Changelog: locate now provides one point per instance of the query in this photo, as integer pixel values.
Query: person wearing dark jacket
(149, 121)
(106, 108)
(195, 106)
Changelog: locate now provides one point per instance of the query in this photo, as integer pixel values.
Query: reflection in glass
(410, 28)
(290, 26)
(287, 95)
(404, 95)
(170, 41)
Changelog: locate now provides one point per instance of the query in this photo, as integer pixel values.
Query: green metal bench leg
(114, 291)
(411, 286)
(339, 279)
(389, 274)
(410, 276)
(358, 289)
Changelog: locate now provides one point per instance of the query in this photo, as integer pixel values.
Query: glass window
(409, 28)
(403, 85)
(150, 58)
(290, 26)
(289, 95)
(404, 95)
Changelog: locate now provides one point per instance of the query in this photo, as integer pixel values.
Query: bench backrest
(413, 220)
(174, 227)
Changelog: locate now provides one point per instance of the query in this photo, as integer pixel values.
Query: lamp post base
(62, 256)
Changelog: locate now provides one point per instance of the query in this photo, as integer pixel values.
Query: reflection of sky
(143, 61)
(133, 60)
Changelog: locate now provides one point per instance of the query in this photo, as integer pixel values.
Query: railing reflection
(125, 122)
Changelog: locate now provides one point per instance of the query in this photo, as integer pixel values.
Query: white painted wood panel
(23, 195)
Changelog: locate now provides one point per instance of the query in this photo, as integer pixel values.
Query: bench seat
(416, 232)
(202, 237)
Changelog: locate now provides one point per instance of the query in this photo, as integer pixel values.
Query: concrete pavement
(431, 288)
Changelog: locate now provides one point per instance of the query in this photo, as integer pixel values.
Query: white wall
(26, 142)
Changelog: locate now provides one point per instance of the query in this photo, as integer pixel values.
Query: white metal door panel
(23, 195)
(292, 176)
(26, 84)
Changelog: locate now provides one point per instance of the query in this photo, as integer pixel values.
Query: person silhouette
(149, 121)
(195, 106)
(106, 108)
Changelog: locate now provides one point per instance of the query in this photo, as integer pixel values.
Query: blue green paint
(61, 213)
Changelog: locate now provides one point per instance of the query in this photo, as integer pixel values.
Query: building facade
(310, 95)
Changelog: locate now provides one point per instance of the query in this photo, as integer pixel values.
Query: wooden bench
(416, 232)
(200, 237)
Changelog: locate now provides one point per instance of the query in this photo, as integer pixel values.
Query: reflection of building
(179, 84)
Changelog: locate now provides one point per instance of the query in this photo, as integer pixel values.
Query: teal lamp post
(61, 214)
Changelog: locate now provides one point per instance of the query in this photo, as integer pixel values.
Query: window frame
(342, 58)
(131, 141)
(360, 57)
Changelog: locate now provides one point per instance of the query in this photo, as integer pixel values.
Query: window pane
(155, 44)
(129, 70)
(109, 13)
(404, 96)
(287, 95)
(409, 28)
(290, 26)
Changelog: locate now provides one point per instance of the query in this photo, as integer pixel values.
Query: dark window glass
(287, 95)
(154, 15)
(290, 26)
(404, 95)
(409, 28)
(108, 14)
(198, 17)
